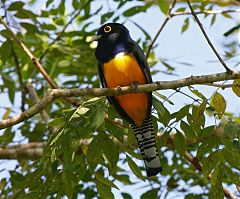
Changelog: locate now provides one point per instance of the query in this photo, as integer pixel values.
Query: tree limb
(97, 92)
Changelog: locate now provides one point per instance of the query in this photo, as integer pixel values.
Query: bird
(121, 62)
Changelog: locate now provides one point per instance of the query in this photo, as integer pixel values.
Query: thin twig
(214, 12)
(207, 38)
(30, 55)
(97, 92)
(160, 30)
(223, 86)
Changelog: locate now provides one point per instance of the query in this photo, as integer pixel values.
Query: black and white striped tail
(147, 144)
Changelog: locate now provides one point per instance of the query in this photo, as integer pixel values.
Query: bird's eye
(107, 29)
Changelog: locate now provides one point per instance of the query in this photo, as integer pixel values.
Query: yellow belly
(124, 70)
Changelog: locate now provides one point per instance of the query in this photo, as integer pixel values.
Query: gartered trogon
(121, 62)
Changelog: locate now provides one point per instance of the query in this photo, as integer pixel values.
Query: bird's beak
(96, 37)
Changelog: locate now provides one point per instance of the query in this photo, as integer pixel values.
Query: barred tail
(148, 148)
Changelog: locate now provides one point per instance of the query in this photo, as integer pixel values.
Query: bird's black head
(112, 38)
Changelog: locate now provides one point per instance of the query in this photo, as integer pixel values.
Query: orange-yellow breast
(124, 70)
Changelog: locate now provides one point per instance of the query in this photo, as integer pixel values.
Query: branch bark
(97, 92)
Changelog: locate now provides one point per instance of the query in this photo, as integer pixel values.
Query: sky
(190, 46)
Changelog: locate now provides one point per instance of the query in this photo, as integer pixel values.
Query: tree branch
(207, 38)
(97, 92)
(31, 151)
(214, 12)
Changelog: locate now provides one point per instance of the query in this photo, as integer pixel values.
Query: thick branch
(22, 151)
(97, 92)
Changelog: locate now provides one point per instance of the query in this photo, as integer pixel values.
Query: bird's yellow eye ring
(107, 29)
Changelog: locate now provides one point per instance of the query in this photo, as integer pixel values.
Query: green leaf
(236, 89)
(57, 122)
(216, 185)
(76, 4)
(135, 169)
(98, 118)
(123, 179)
(233, 177)
(104, 191)
(48, 26)
(105, 181)
(163, 97)
(231, 31)
(164, 6)
(10, 84)
(106, 16)
(5, 50)
(163, 114)
(102, 145)
(200, 111)
(212, 162)
(197, 93)
(31, 28)
(49, 2)
(213, 19)
(185, 25)
(68, 183)
(231, 130)
(219, 104)
(232, 158)
(134, 10)
(126, 195)
(15, 6)
(94, 152)
(182, 112)
(152, 193)
(189, 132)
(158, 106)
(179, 142)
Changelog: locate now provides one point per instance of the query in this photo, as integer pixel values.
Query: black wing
(141, 59)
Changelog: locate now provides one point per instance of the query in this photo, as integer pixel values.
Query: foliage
(89, 153)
